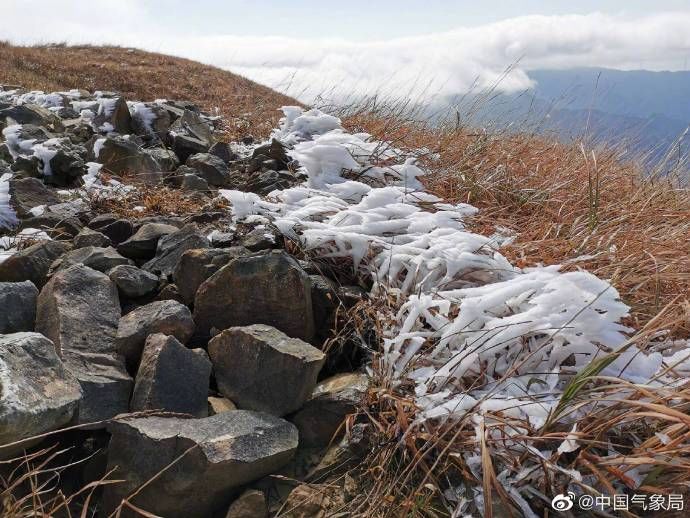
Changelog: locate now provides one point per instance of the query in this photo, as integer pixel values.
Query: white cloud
(446, 62)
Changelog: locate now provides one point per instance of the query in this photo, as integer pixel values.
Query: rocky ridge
(173, 334)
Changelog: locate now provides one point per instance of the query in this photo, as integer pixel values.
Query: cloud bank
(449, 62)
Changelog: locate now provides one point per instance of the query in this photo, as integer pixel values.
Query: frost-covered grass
(495, 382)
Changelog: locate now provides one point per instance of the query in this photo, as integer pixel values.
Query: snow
(8, 217)
(143, 114)
(10, 244)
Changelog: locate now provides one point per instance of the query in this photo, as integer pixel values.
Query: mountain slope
(247, 106)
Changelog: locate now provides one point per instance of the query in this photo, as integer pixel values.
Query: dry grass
(568, 205)
(247, 107)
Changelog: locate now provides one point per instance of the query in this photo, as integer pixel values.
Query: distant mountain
(644, 113)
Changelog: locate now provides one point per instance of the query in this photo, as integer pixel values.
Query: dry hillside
(247, 106)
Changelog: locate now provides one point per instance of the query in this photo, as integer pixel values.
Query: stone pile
(186, 346)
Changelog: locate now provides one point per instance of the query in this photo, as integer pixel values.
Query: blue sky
(306, 47)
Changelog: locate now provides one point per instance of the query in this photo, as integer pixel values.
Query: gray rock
(195, 266)
(210, 168)
(223, 151)
(192, 182)
(28, 193)
(260, 368)
(218, 405)
(117, 116)
(324, 300)
(66, 166)
(167, 317)
(132, 282)
(222, 239)
(275, 151)
(172, 378)
(190, 134)
(166, 158)
(17, 306)
(143, 244)
(32, 263)
(116, 229)
(87, 237)
(250, 504)
(171, 247)
(170, 292)
(260, 239)
(268, 288)
(30, 114)
(227, 451)
(79, 311)
(122, 156)
(100, 259)
(55, 225)
(157, 127)
(38, 394)
(322, 416)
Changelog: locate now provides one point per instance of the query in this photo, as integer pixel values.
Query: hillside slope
(247, 106)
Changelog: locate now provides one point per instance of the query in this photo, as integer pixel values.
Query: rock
(172, 378)
(267, 288)
(79, 310)
(30, 166)
(116, 229)
(306, 501)
(223, 151)
(275, 150)
(29, 193)
(151, 120)
(55, 225)
(191, 182)
(113, 115)
(32, 263)
(165, 158)
(210, 168)
(100, 259)
(250, 504)
(226, 451)
(217, 405)
(324, 301)
(30, 114)
(66, 167)
(332, 400)
(87, 237)
(121, 156)
(170, 292)
(167, 317)
(17, 306)
(222, 239)
(189, 135)
(132, 282)
(171, 247)
(261, 368)
(195, 266)
(143, 244)
(264, 182)
(38, 394)
(260, 239)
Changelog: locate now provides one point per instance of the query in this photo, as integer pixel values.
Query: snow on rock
(8, 217)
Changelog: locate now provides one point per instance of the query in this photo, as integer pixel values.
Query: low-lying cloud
(449, 62)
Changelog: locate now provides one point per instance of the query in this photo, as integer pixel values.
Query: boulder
(172, 378)
(223, 151)
(57, 226)
(87, 237)
(151, 120)
(38, 394)
(260, 239)
(100, 259)
(275, 150)
(190, 134)
(120, 155)
(210, 168)
(30, 114)
(116, 229)
(66, 167)
(32, 263)
(113, 115)
(79, 310)
(165, 158)
(167, 317)
(323, 414)
(17, 306)
(268, 288)
(170, 292)
(212, 457)
(306, 501)
(195, 266)
(29, 193)
(143, 244)
(324, 300)
(132, 282)
(250, 504)
(261, 368)
(171, 247)
(192, 182)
